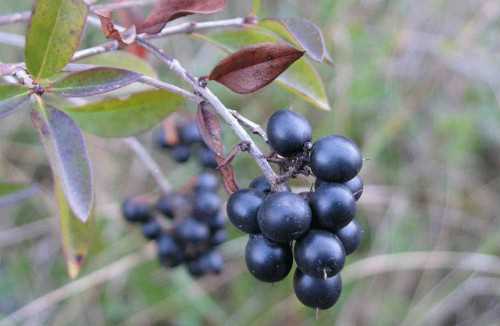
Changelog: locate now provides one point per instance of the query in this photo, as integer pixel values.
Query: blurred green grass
(415, 83)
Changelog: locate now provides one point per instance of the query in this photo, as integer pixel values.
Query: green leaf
(54, 35)
(300, 79)
(94, 81)
(300, 32)
(76, 235)
(68, 157)
(11, 97)
(7, 188)
(126, 117)
(14, 192)
(121, 60)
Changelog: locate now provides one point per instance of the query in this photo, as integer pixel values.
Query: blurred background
(415, 83)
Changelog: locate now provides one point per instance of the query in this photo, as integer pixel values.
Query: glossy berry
(171, 205)
(266, 260)
(317, 292)
(319, 253)
(284, 216)
(206, 204)
(288, 132)
(333, 206)
(197, 267)
(192, 231)
(136, 210)
(335, 159)
(206, 158)
(214, 261)
(350, 236)
(169, 251)
(180, 153)
(151, 230)
(189, 133)
(242, 209)
(218, 237)
(261, 184)
(206, 182)
(355, 185)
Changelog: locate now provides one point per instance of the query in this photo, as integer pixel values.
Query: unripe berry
(350, 236)
(288, 132)
(333, 206)
(335, 159)
(284, 216)
(242, 209)
(266, 260)
(317, 292)
(319, 253)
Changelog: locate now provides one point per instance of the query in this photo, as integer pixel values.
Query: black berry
(242, 209)
(333, 206)
(217, 221)
(206, 158)
(335, 159)
(180, 153)
(171, 205)
(207, 182)
(159, 139)
(355, 185)
(189, 133)
(288, 132)
(284, 216)
(151, 230)
(169, 251)
(218, 237)
(192, 231)
(266, 260)
(206, 204)
(317, 292)
(350, 236)
(136, 210)
(261, 184)
(319, 253)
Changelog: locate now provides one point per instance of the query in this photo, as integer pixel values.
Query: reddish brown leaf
(109, 30)
(254, 67)
(210, 130)
(129, 17)
(168, 10)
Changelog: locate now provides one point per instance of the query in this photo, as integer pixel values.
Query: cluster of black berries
(316, 228)
(185, 140)
(192, 227)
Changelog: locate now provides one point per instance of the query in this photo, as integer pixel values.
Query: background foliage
(415, 83)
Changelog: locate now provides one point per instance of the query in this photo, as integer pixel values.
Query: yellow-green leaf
(121, 60)
(53, 35)
(300, 32)
(11, 97)
(76, 235)
(117, 117)
(256, 5)
(300, 79)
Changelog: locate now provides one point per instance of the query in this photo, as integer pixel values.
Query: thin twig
(150, 163)
(249, 124)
